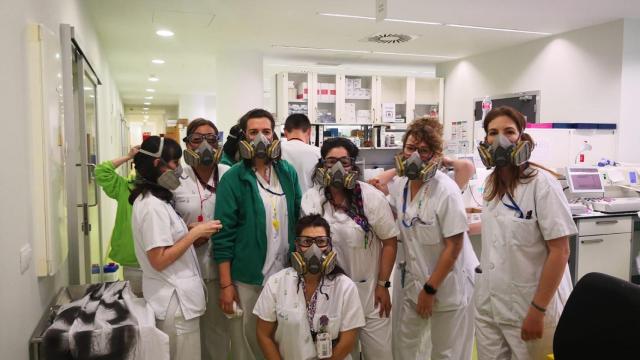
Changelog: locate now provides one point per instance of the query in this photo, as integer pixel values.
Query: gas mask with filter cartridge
(205, 154)
(313, 260)
(414, 168)
(336, 176)
(170, 179)
(260, 148)
(503, 152)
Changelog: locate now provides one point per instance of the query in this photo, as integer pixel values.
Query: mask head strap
(157, 154)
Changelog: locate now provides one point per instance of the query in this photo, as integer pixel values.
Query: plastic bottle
(486, 106)
(110, 272)
(95, 273)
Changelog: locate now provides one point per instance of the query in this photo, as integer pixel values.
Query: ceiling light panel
(165, 33)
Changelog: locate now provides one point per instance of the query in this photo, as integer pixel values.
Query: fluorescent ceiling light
(348, 16)
(151, 90)
(498, 29)
(164, 33)
(158, 61)
(88, 88)
(409, 54)
(146, 103)
(145, 108)
(320, 49)
(361, 51)
(414, 22)
(437, 23)
(148, 97)
(91, 96)
(153, 78)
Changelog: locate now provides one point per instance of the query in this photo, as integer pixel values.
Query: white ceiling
(126, 29)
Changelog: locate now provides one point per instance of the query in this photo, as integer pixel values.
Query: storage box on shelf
(357, 99)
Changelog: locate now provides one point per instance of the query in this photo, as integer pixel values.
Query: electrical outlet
(25, 258)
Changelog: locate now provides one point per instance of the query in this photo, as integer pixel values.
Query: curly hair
(427, 129)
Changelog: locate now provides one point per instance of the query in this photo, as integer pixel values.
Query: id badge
(323, 346)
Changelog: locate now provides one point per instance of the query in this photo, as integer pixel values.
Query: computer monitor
(584, 180)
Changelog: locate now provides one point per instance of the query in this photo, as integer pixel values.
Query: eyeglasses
(412, 148)
(307, 241)
(345, 161)
(196, 138)
(413, 221)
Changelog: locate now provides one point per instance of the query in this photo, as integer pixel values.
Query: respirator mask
(204, 155)
(336, 176)
(260, 148)
(416, 169)
(170, 179)
(503, 152)
(313, 261)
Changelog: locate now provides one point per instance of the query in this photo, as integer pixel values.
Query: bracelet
(226, 286)
(538, 307)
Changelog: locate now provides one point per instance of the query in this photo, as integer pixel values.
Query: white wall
(25, 297)
(578, 74)
(629, 126)
(197, 106)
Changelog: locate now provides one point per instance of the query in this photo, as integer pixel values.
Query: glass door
(90, 246)
(357, 107)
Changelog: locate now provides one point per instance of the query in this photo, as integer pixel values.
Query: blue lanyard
(514, 206)
(404, 209)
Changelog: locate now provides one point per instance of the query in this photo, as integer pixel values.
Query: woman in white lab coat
(311, 309)
(440, 261)
(364, 236)
(526, 224)
(195, 202)
(171, 279)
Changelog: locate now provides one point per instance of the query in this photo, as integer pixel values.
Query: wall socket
(25, 258)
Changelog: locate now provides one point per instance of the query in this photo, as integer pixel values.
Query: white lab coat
(304, 158)
(192, 200)
(276, 212)
(282, 301)
(156, 224)
(361, 263)
(513, 255)
(439, 205)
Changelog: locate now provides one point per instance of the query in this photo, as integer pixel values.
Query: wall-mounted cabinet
(357, 99)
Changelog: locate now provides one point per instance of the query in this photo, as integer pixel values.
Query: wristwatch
(429, 289)
(384, 284)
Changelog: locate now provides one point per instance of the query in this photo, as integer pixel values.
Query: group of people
(280, 250)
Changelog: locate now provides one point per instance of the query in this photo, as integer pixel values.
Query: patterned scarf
(355, 209)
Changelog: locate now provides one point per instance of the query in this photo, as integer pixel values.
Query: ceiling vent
(390, 38)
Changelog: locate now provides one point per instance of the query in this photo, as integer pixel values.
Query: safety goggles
(307, 241)
(412, 148)
(196, 138)
(345, 161)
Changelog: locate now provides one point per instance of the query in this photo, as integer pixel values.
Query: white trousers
(451, 333)
(503, 342)
(375, 336)
(398, 299)
(134, 276)
(214, 326)
(244, 342)
(184, 335)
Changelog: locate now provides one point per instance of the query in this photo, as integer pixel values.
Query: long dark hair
(316, 220)
(147, 174)
(504, 182)
(352, 150)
